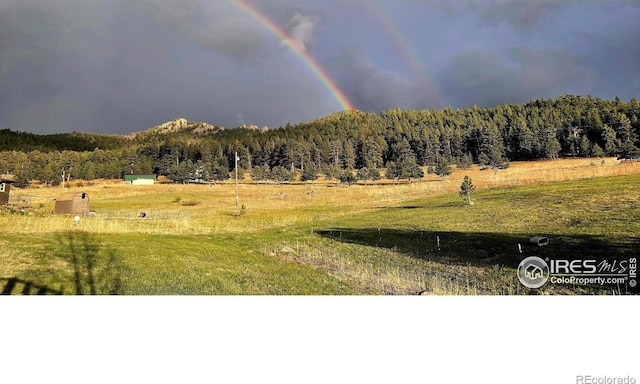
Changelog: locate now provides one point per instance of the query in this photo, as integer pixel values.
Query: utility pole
(236, 154)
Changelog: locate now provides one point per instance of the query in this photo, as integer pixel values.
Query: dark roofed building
(78, 204)
(5, 188)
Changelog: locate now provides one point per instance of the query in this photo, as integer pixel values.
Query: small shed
(78, 204)
(5, 187)
(140, 179)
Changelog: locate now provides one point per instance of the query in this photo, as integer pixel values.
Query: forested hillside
(351, 140)
(75, 141)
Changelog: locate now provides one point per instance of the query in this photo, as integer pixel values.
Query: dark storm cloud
(613, 51)
(224, 28)
(371, 88)
(124, 65)
(563, 47)
(41, 55)
(485, 78)
(521, 14)
(217, 26)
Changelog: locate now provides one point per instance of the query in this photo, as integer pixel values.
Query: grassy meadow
(322, 238)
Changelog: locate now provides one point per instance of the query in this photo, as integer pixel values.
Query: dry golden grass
(386, 272)
(211, 209)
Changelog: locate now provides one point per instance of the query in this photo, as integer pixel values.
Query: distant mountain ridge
(177, 127)
(83, 141)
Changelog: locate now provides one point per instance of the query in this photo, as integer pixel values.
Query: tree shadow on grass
(82, 267)
(95, 268)
(483, 249)
(16, 286)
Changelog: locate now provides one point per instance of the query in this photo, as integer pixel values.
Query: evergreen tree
(465, 162)
(331, 172)
(584, 146)
(282, 174)
(374, 174)
(394, 171)
(552, 148)
(259, 173)
(219, 172)
(199, 172)
(627, 138)
(466, 189)
(335, 151)
(88, 170)
(597, 151)
(371, 153)
(348, 156)
(310, 173)
(411, 170)
(611, 142)
(363, 174)
(347, 177)
(443, 169)
(401, 151)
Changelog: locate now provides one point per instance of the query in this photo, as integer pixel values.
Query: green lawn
(80, 263)
(436, 244)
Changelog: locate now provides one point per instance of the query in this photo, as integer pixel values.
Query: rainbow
(337, 94)
(381, 16)
(401, 44)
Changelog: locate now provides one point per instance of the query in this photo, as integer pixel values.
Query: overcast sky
(118, 66)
